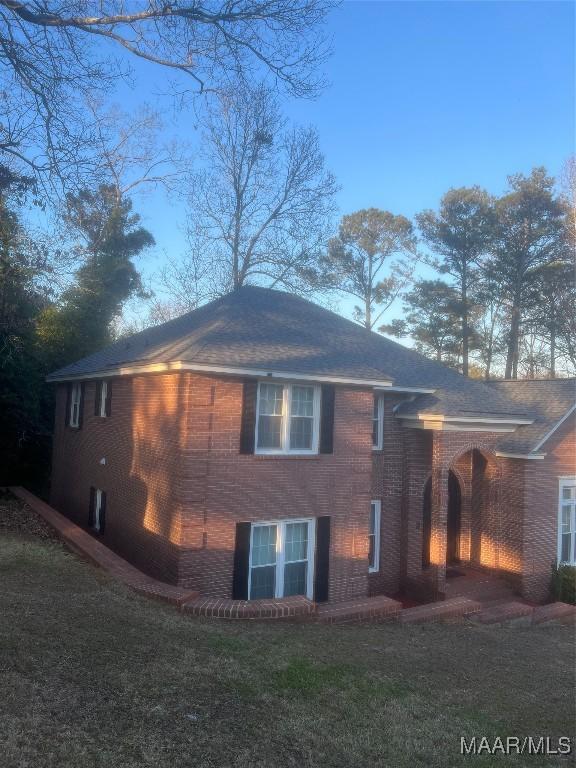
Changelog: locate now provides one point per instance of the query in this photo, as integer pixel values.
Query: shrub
(564, 584)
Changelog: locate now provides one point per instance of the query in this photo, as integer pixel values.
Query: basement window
(374, 536)
(281, 559)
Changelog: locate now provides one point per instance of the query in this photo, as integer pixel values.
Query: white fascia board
(440, 418)
(558, 424)
(454, 426)
(506, 455)
(132, 370)
(409, 390)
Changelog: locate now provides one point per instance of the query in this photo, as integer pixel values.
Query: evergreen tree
(461, 234)
(531, 236)
(358, 261)
(432, 313)
(82, 322)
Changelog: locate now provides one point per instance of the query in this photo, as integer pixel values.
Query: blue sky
(425, 96)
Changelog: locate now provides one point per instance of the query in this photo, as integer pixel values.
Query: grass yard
(93, 675)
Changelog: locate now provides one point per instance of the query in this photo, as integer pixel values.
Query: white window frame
(379, 399)
(280, 561)
(75, 402)
(377, 520)
(566, 482)
(103, 397)
(286, 411)
(97, 509)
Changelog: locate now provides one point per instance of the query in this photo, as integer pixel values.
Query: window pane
(302, 401)
(262, 582)
(568, 492)
(372, 519)
(270, 432)
(376, 424)
(271, 397)
(263, 545)
(296, 544)
(566, 518)
(371, 550)
(565, 555)
(295, 577)
(301, 433)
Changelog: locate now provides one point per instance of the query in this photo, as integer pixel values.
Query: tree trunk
(552, 340)
(513, 343)
(464, 321)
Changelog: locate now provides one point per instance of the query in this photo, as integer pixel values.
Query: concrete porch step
(558, 612)
(373, 609)
(500, 614)
(453, 608)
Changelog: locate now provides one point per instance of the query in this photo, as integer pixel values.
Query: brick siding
(177, 484)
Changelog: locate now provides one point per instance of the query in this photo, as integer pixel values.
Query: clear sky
(429, 95)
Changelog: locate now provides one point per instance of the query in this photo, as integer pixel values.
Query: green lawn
(93, 675)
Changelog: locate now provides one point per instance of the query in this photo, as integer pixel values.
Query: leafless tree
(56, 53)
(260, 206)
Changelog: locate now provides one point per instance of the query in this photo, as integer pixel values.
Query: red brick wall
(541, 509)
(399, 472)
(140, 442)
(177, 484)
(225, 487)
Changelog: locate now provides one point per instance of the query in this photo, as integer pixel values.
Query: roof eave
(178, 365)
(556, 426)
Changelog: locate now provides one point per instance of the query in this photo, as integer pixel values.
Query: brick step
(455, 607)
(499, 614)
(220, 608)
(559, 612)
(369, 609)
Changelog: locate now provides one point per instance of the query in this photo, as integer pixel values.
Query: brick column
(438, 538)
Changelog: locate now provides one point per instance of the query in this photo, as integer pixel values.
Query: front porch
(466, 537)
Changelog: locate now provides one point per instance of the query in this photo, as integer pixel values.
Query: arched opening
(454, 521)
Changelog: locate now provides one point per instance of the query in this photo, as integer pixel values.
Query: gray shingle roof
(546, 400)
(262, 329)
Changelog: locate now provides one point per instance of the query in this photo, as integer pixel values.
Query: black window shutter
(322, 559)
(97, 396)
(241, 561)
(102, 511)
(92, 507)
(327, 419)
(248, 424)
(108, 408)
(68, 404)
(81, 406)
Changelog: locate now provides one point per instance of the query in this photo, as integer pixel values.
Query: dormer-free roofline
(178, 365)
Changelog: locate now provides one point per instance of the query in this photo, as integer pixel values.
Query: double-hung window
(378, 423)
(567, 521)
(374, 536)
(103, 392)
(287, 418)
(75, 405)
(281, 559)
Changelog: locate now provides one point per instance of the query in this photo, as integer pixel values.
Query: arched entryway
(454, 521)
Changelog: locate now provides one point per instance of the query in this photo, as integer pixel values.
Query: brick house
(262, 446)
